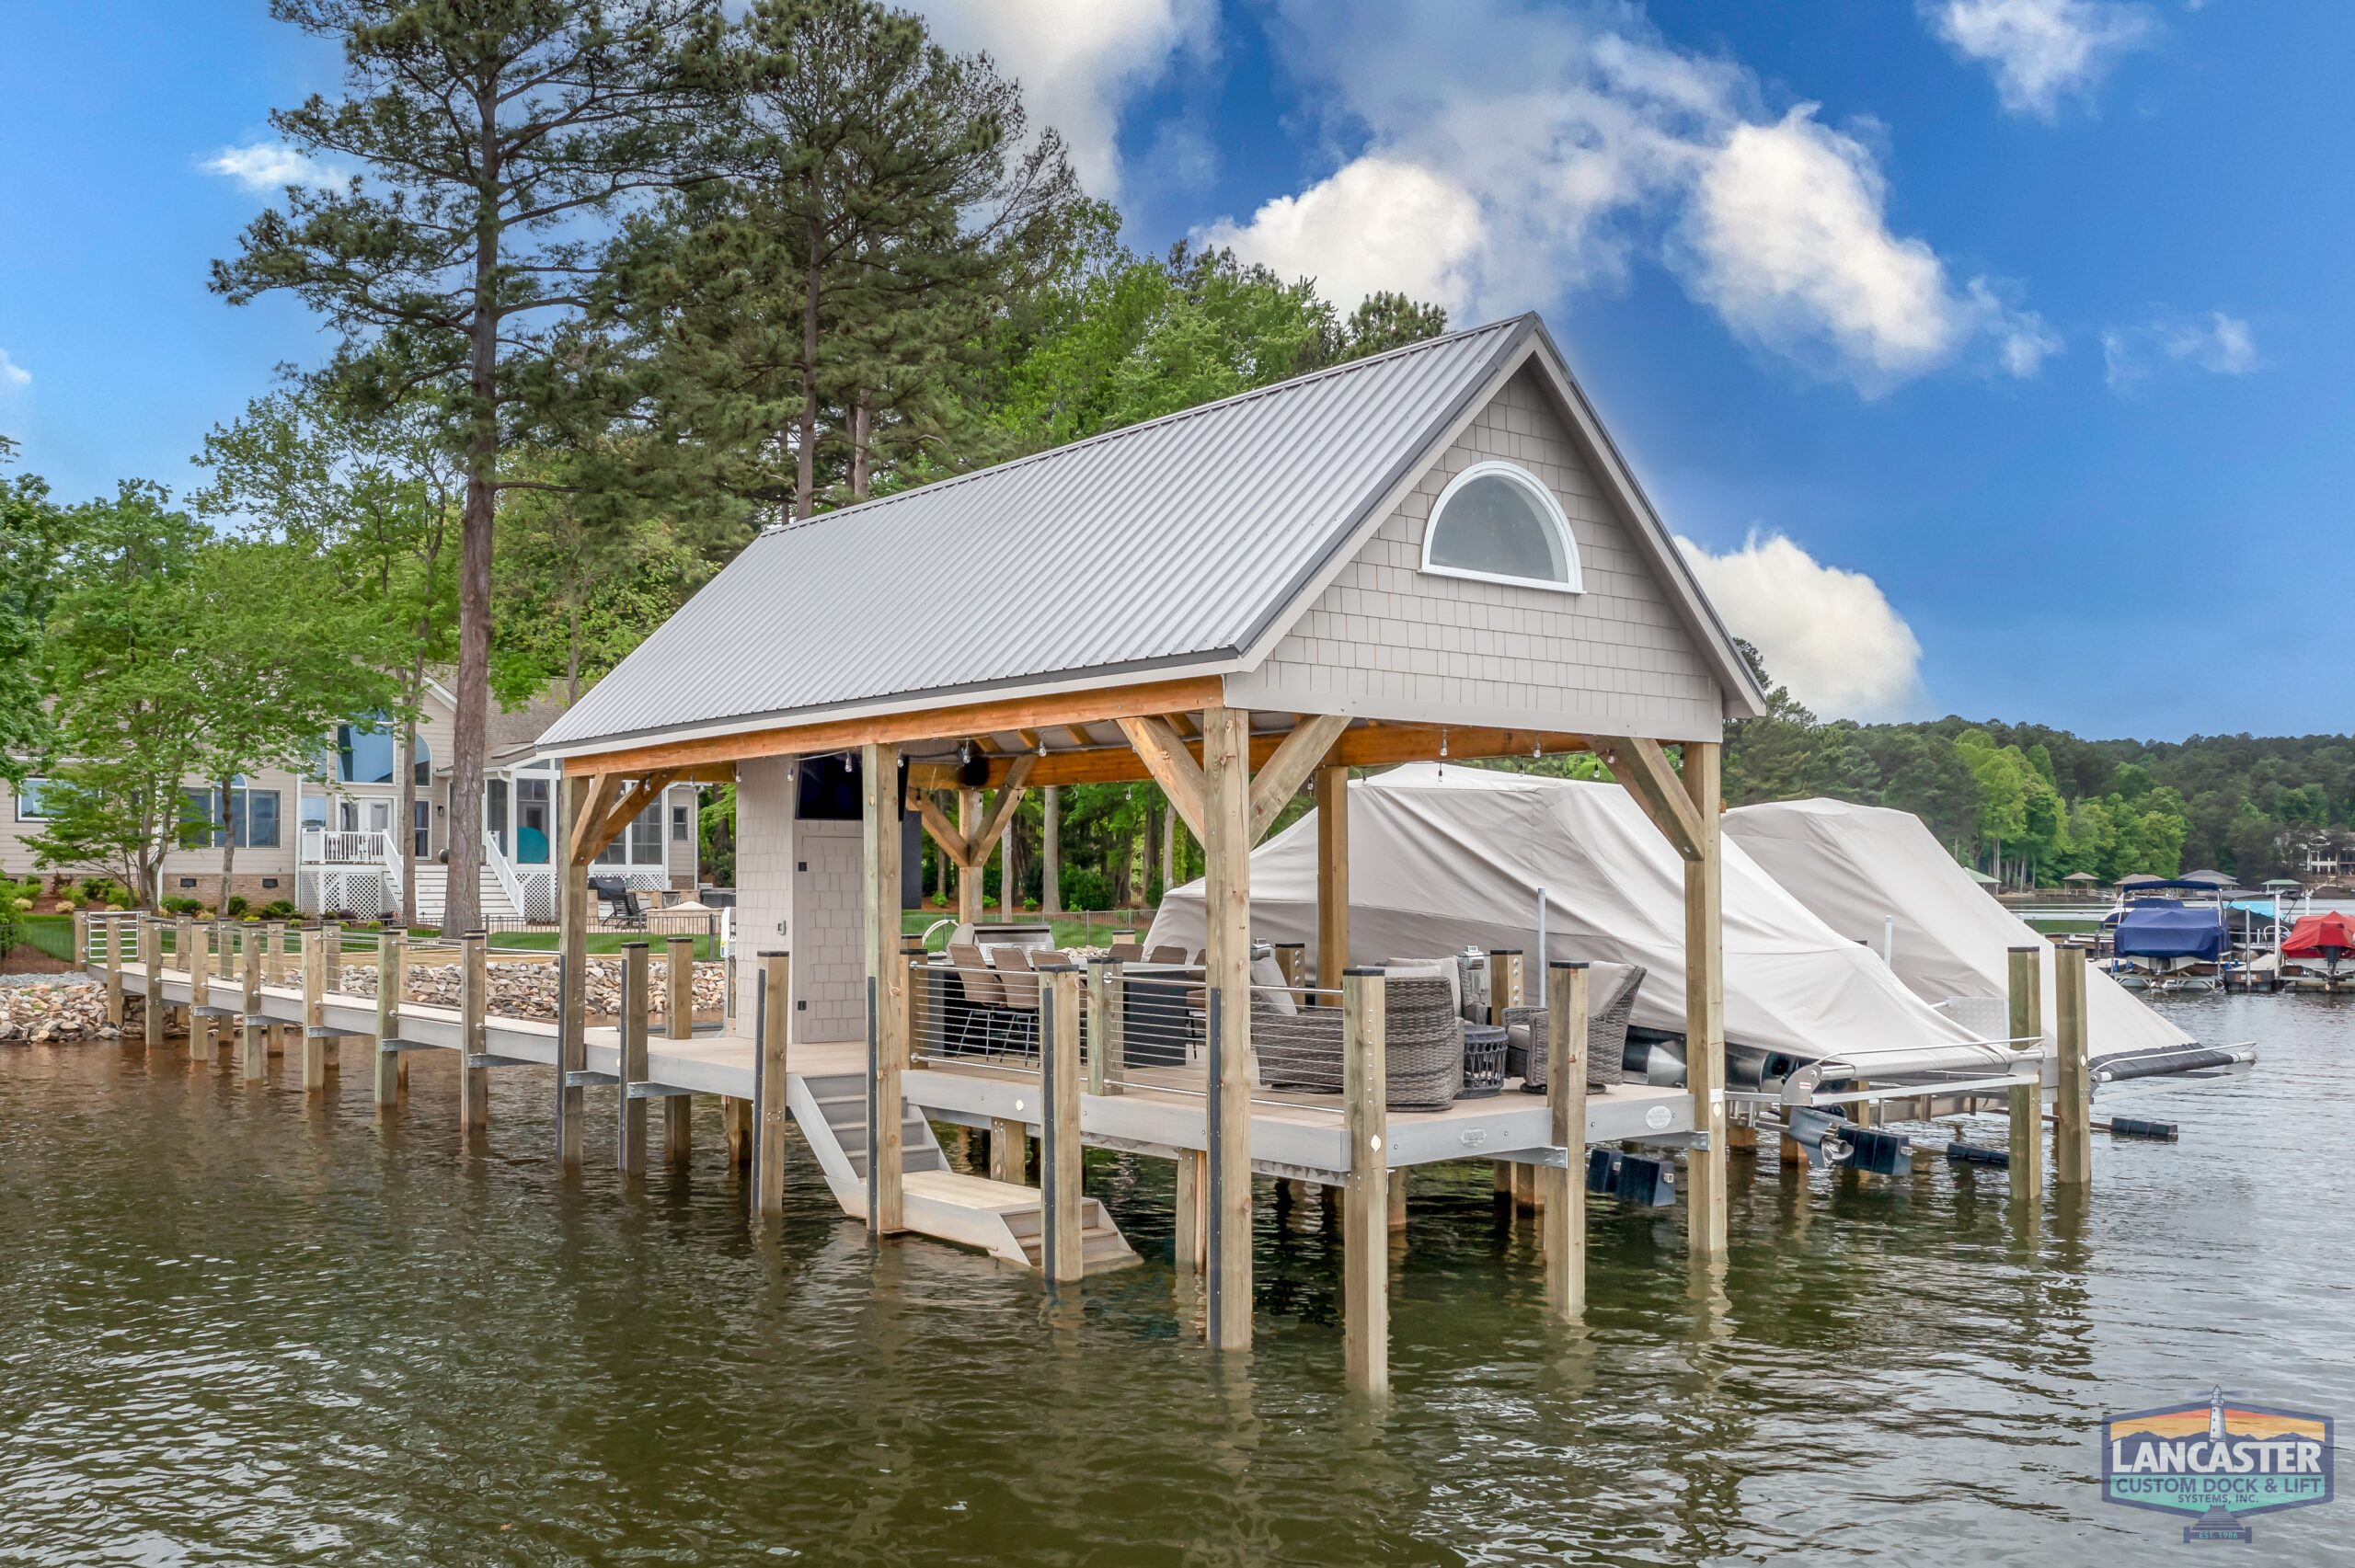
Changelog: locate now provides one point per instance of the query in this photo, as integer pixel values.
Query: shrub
(1085, 888)
(237, 907)
(279, 909)
(94, 889)
(183, 906)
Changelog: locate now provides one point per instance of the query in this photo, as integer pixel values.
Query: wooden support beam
(955, 722)
(1163, 756)
(1009, 1151)
(392, 982)
(1226, 846)
(679, 1023)
(624, 810)
(1705, 1003)
(474, 1015)
(969, 872)
(1508, 983)
(314, 1010)
(1398, 1201)
(1009, 799)
(1642, 769)
(2073, 1126)
(1563, 1224)
(944, 832)
(1190, 1244)
(2025, 1023)
(887, 1001)
(1299, 754)
(1365, 1206)
(587, 800)
(579, 801)
(1104, 1050)
(771, 1051)
(1061, 1156)
(253, 1059)
(629, 1131)
(1332, 875)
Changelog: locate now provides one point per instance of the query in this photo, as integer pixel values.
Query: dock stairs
(999, 1218)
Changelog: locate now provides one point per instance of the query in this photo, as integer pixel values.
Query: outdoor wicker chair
(984, 994)
(1423, 1045)
(1166, 954)
(1021, 985)
(1611, 1003)
(1128, 953)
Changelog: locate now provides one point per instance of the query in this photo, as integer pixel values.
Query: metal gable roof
(1156, 548)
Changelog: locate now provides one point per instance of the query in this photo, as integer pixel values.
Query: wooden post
(1332, 875)
(886, 1003)
(474, 1012)
(1365, 1205)
(114, 969)
(2025, 1024)
(184, 944)
(1563, 1225)
(1009, 1151)
(392, 980)
(1705, 1006)
(1226, 849)
(1191, 1240)
(2073, 1129)
(1050, 854)
(573, 909)
(80, 942)
(1062, 1159)
(1103, 1022)
(1507, 982)
(314, 1010)
(1398, 1200)
(254, 1047)
(200, 989)
(772, 1045)
(969, 877)
(151, 1006)
(629, 1146)
(679, 1023)
(332, 937)
(274, 974)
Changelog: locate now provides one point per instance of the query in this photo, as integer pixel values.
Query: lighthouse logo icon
(2220, 1460)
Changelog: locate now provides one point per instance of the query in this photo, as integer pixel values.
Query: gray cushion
(1265, 973)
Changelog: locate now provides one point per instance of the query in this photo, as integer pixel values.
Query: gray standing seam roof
(1159, 545)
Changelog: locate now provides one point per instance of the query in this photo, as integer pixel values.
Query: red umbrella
(2328, 936)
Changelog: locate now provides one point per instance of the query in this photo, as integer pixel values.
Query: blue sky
(1990, 350)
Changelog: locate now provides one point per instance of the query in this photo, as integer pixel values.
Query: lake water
(234, 1329)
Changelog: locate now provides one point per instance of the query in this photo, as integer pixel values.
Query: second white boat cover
(1855, 866)
(1446, 858)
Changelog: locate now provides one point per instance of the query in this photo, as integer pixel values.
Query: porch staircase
(1002, 1219)
(432, 892)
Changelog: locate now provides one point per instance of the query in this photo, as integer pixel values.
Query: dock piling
(1563, 1227)
(315, 1012)
(392, 979)
(184, 944)
(1191, 1232)
(114, 970)
(474, 1007)
(772, 1043)
(198, 964)
(274, 973)
(2026, 1022)
(1365, 1208)
(2072, 1132)
(1061, 1159)
(629, 1145)
(151, 1005)
(253, 1063)
(679, 1023)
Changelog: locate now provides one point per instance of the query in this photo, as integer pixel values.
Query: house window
(640, 845)
(421, 832)
(30, 807)
(679, 824)
(366, 754)
(1496, 523)
(252, 816)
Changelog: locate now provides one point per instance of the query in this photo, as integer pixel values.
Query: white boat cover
(1444, 858)
(1856, 865)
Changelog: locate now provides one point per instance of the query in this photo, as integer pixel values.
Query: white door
(380, 816)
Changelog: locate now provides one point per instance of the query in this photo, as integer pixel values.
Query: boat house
(1435, 554)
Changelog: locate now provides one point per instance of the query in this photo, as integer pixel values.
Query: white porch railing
(509, 882)
(325, 846)
(340, 870)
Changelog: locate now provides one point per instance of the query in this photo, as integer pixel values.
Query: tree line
(611, 284)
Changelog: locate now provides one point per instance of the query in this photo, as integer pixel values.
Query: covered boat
(2327, 939)
(1875, 875)
(1444, 858)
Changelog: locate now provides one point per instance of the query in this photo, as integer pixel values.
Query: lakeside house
(325, 839)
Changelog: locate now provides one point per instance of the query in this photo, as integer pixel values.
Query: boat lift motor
(1816, 1133)
(1633, 1179)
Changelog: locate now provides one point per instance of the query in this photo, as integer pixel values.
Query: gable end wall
(1385, 640)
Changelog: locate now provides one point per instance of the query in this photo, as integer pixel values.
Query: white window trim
(17, 797)
(1547, 507)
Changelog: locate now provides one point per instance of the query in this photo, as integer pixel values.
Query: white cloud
(1562, 153)
(2217, 343)
(13, 374)
(272, 166)
(1376, 224)
(1077, 61)
(2041, 52)
(1830, 635)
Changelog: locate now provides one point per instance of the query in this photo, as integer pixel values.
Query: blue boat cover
(2162, 929)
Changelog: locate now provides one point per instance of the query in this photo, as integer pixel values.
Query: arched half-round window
(1496, 523)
